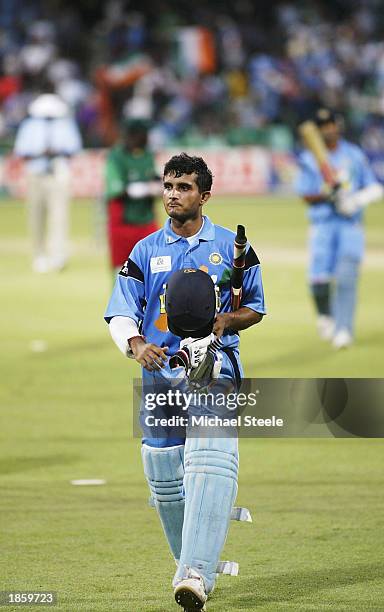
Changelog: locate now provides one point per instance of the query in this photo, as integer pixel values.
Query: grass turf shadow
(291, 586)
(14, 465)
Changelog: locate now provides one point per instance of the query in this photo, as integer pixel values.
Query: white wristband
(123, 329)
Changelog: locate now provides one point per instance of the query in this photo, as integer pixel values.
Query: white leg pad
(164, 470)
(210, 483)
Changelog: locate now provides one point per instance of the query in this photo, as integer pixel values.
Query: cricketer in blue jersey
(193, 480)
(336, 239)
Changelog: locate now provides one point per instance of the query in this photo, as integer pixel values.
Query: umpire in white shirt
(46, 139)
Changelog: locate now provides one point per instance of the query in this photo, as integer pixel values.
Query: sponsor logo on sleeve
(124, 269)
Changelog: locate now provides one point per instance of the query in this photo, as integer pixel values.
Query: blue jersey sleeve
(253, 292)
(365, 173)
(128, 295)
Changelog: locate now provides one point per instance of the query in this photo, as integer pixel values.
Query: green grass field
(317, 538)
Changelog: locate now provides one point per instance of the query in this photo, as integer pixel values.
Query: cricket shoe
(58, 263)
(190, 593)
(342, 339)
(41, 265)
(325, 327)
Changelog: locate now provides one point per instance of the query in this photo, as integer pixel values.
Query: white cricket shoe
(325, 327)
(41, 265)
(58, 264)
(190, 593)
(342, 339)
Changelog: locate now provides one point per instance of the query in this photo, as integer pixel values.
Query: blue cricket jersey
(353, 172)
(139, 291)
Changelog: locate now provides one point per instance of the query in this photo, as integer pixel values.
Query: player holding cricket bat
(337, 183)
(164, 304)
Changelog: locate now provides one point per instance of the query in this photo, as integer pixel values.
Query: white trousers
(48, 199)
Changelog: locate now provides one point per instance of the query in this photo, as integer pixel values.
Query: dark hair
(185, 164)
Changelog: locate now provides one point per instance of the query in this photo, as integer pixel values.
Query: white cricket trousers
(48, 200)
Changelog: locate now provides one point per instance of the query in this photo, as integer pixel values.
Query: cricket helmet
(191, 303)
(324, 116)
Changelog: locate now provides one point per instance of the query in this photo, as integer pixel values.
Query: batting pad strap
(238, 514)
(212, 462)
(241, 514)
(228, 568)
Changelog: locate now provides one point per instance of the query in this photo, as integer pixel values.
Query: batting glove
(192, 353)
(349, 204)
(346, 205)
(197, 348)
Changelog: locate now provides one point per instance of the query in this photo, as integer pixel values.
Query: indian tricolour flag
(195, 50)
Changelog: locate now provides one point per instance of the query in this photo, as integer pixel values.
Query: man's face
(182, 198)
(331, 133)
(136, 139)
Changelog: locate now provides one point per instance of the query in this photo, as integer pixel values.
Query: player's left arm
(240, 319)
(252, 307)
(370, 190)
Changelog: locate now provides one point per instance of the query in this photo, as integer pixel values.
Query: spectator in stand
(272, 65)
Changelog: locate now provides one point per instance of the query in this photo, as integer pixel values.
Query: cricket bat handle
(238, 266)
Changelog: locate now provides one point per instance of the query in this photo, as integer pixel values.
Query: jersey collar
(207, 233)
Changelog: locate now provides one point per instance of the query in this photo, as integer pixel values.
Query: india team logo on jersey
(215, 259)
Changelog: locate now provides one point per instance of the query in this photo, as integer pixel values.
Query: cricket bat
(313, 140)
(238, 266)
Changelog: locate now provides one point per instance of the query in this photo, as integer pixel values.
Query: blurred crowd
(212, 72)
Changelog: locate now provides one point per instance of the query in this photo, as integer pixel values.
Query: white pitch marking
(38, 346)
(89, 482)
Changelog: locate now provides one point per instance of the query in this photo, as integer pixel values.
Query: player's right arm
(125, 313)
(148, 355)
